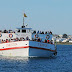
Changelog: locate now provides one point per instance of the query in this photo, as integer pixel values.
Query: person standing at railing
(7, 41)
(27, 38)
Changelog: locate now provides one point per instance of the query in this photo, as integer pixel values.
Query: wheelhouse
(24, 32)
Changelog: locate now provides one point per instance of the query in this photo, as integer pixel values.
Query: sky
(43, 15)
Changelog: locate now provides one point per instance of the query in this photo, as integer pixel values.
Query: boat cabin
(23, 32)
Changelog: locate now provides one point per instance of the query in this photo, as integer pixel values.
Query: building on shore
(59, 38)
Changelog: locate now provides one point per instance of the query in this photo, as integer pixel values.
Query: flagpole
(23, 21)
(23, 18)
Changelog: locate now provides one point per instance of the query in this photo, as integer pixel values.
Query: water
(61, 63)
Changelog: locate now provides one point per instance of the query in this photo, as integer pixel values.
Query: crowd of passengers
(14, 40)
(39, 32)
(23, 39)
(45, 41)
(7, 31)
(38, 39)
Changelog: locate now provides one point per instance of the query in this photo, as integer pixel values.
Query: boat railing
(16, 40)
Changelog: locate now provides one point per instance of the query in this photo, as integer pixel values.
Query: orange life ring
(10, 35)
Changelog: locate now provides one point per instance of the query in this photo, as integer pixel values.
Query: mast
(23, 18)
(23, 21)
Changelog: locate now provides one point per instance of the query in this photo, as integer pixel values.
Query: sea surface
(60, 63)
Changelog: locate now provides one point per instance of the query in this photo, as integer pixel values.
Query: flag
(25, 15)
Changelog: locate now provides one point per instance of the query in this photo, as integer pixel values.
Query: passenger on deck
(32, 39)
(46, 37)
(16, 39)
(7, 41)
(11, 40)
(42, 32)
(20, 39)
(39, 40)
(35, 39)
(2, 41)
(35, 36)
(34, 32)
(27, 38)
(38, 32)
(45, 32)
(51, 41)
(14, 32)
(50, 32)
(45, 41)
(23, 39)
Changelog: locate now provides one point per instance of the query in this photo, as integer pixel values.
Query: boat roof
(23, 28)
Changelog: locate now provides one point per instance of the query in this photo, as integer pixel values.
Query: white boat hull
(27, 49)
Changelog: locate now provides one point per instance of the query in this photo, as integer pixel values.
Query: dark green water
(61, 63)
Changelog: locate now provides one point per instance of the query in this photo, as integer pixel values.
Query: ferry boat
(28, 46)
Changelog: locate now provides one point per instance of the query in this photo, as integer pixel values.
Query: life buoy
(47, 36)
(10, 35)
(0, 35)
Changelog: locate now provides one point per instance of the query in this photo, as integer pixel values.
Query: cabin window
(18, 31)
(27, 31)
(23, 31)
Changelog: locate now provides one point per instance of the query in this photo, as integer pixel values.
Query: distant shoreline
(65, 43)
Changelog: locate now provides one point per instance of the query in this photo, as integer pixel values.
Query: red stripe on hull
(42, 48)
(14, 48)
(27, 47)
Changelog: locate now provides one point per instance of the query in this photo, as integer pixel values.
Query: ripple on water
(61, 63)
